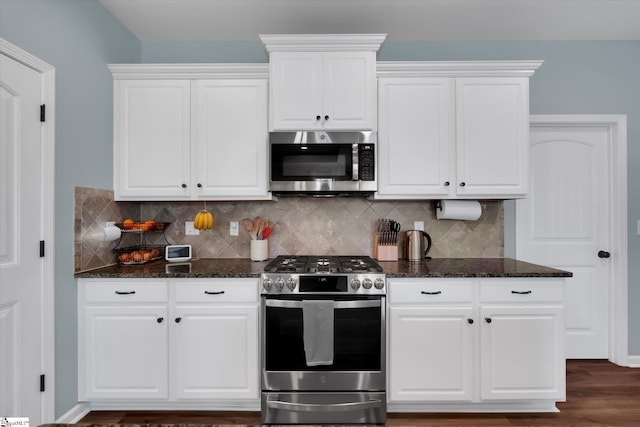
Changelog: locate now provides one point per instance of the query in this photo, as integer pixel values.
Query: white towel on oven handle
(317, 331)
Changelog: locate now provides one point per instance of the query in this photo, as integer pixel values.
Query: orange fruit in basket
(127, 224)
(151, 224)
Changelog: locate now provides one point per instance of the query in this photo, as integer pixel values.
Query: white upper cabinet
(152, 138)
(229, 152)
(415, 137)
(453, 129)
(190, 132)
(323, 82)
(492, 136)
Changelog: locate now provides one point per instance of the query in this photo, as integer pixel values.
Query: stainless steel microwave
(322, 163)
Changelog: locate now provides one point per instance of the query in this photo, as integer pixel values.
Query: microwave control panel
(366, 162)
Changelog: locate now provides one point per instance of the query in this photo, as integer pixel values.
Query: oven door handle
(331, 407)
(278, 303)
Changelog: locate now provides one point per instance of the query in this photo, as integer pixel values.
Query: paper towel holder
(471, 210)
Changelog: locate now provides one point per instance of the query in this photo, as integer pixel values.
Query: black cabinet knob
(462, 184)
(318, 118)
(199, 185)
(326, 117)
(470, 321)
(603, 254)
(160, 319)
(184, 185)
(178, 319)
(487, 319)
(446, 183)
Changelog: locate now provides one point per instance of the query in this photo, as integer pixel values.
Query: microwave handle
(355, 162)
(278, 303)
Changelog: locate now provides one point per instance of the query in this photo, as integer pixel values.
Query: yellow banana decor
(203, 220)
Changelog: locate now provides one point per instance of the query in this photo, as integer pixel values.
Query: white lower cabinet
(125, 352)
(431, 349)
(215, 349)
(471, 344)
(173, 341)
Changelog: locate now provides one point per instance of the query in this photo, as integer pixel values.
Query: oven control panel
(363, 284)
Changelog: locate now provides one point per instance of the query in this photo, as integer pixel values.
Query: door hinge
(42, 382)
(42, 113)
(41, 248)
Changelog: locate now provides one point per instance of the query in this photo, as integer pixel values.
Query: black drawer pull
(160, 319)
(470, 321)
(214, 292)
(521, 292)
(178, 319)
(431, 292)
(125, 292)
(487, 319)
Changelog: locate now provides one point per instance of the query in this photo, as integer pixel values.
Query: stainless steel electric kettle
(417, 245)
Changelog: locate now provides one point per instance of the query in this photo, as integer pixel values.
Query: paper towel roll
(466, 210)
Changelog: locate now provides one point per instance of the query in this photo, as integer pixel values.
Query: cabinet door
(215, 352)
(230, 139)
(522, 353)
(349, 91)
(125, 352)
(415, 144)
(492, 128)
(431, 353)
(151, 139)
(296, 91)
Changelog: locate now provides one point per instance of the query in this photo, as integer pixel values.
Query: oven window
(299, 162)
(357, 339)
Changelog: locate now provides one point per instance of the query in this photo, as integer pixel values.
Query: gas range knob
(279, 283)
(366, 283)
(291, 283)
(355, 284)
(379, 284)
(266, 284)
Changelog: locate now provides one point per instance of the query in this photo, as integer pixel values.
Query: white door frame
(47, 227)
(618, 280)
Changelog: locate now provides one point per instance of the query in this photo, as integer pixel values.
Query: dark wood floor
(599, 393)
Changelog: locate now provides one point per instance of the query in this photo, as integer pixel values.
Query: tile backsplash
(331, 226)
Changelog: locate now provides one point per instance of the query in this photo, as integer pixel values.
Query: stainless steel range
(323, 340)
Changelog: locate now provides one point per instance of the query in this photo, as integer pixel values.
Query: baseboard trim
(159, 405)
(548, 406)
(75, 414)
(633, 361)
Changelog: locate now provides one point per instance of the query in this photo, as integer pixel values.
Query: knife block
(384, 252)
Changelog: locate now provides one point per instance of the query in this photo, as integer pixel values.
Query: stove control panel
(365, 284)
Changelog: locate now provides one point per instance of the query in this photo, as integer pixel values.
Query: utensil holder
(384, 252)
(259, 250)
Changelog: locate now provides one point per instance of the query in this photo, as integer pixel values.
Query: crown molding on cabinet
(457, 68)
(322, 42)
(189, 71)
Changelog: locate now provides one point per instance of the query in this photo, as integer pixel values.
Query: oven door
(358, 344)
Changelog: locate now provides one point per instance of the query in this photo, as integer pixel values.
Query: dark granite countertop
(469, 267)
(244, 267)
(197, 268)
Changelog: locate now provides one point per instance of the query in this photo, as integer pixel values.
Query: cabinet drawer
(424, 291)
(218, 290)
(527, 290)
(125, 291)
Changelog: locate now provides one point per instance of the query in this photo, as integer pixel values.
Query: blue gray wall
(79, 37)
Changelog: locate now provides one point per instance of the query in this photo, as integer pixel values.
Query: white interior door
(565, 223)
(21, 229)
